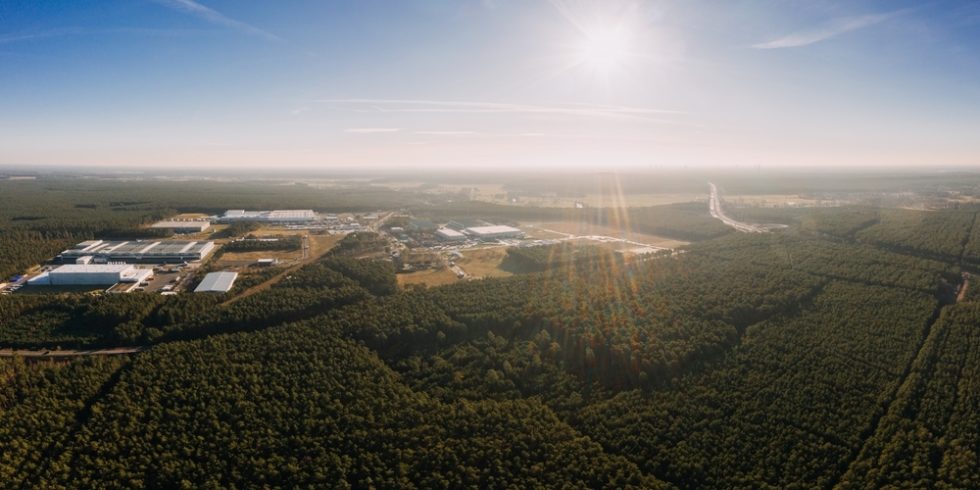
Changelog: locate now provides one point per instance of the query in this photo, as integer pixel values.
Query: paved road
(62, 353)
(714, 205)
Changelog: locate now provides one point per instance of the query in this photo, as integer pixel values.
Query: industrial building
(150, 251)
(449, 235)
(217, 282)
(92, 275)
(183, 226)
(494, 232)
(420, 226)
(275, 216)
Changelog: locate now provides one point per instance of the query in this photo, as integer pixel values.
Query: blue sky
(490, 83)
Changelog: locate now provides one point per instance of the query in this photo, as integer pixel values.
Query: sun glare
(605, 50)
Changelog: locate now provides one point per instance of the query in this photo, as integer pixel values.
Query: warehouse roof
(449, 232)
(92, 268)
(492, 230)
(181, 224)
(217, 282)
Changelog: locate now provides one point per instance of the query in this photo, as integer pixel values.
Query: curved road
(714, 206)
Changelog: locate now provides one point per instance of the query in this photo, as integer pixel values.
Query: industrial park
(202, 257)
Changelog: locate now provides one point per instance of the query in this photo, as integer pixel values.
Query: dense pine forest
(832, 354)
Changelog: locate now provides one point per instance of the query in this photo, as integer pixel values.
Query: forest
(833, 354)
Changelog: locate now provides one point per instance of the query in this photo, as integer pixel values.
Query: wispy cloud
(472, 107)
(446, 133)
(30, 36)
(371, 130)
(834, 29)
(213, 16)
(78, 31)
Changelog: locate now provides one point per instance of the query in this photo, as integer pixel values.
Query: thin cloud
(471, 107)
(371, 130)
(213, 16)
(30, 36)
(837, 28)
(446, 133)
(77, 31)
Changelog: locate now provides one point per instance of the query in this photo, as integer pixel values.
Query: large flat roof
(91, 268)
(492, 230)
(273, 215)
(292, 213)
(181, 224)
(449, 232)
(217, 282)
(154, 248)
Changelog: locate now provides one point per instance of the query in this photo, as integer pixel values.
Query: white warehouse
(274, 216)
(217, 282)
(92, 275)
(449, 235)
(494, 232)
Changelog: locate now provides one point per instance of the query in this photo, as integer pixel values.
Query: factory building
(183, 226)
(421, 226)
(275, 216)
(449, 235)
(150, 251)
(217, 282)
(494, 232)
(92, 275)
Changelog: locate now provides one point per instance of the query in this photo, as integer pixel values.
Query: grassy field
(604, 200)
(244, 259)
(484, 262)
(559, 229)
(772, 200)
(429, 277)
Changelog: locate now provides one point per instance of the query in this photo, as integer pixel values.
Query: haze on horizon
(489, 84)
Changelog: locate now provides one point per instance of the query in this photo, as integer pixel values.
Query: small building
(494, 232)
(92, 275)
(217, 282)
(183, 226)
(266, 262)
(449, 235)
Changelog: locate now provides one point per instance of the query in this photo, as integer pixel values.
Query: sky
(488, 84)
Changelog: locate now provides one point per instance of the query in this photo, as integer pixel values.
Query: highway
(714, 206)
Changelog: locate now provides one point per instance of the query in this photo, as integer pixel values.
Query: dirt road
(62, 353)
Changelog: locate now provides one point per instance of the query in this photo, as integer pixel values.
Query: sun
(604, 50)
